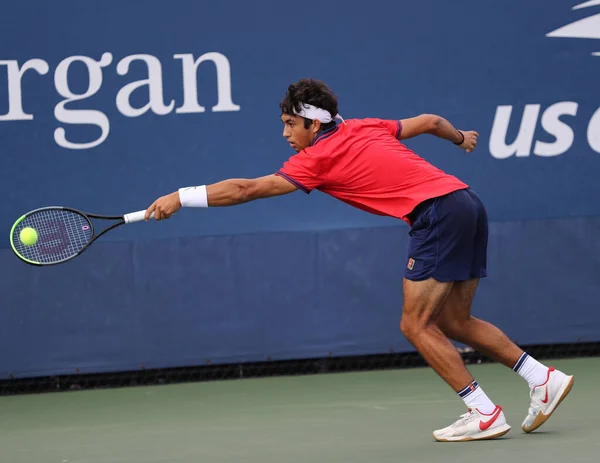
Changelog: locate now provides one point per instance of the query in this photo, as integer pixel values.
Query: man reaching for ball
(364, 163)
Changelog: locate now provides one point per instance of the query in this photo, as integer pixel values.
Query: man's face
(295, 133)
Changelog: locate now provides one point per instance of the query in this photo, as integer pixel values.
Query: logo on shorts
(411, 263)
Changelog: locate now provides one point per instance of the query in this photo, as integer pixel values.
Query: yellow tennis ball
(28, 236)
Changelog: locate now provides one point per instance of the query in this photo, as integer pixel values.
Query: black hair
(310, 91)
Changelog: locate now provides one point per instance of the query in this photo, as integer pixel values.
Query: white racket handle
(136, 216)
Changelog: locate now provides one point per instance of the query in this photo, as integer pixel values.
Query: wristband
(463, 138)
(193, 196)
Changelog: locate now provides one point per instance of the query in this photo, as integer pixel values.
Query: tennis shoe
(546, 397)
(474, 425)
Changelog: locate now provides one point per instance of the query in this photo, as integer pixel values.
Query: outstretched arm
(237, 191)
(440, 127)
(221, 194)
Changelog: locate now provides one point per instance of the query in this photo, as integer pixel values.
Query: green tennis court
(382, 416)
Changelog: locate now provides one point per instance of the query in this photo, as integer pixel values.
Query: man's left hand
(470, 141)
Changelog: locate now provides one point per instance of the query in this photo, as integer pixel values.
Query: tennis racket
(62, 233)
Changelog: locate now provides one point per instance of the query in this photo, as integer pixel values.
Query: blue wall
(294, 276)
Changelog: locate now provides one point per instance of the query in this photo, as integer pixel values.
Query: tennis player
(364, 163)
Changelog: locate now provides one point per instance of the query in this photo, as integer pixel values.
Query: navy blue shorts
(448, 238)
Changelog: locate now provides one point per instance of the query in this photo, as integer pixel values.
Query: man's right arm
(440, 127)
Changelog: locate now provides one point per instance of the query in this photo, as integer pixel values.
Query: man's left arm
(440, 127)
(225, 193)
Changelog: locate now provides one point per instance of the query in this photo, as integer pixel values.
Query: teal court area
(378, 417)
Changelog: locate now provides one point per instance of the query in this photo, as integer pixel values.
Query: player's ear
(315, 126)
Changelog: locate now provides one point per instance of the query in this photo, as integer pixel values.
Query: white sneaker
(546, 397)
(474, 425)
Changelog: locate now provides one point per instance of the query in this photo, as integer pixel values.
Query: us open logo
(551, 118)
(586, 28)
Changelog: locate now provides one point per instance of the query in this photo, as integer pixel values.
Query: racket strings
(61, 234)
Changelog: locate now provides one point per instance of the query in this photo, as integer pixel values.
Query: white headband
(312, 112)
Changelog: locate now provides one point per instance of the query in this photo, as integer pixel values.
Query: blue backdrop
(106, 106)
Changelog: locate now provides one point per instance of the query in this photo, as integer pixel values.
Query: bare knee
(422, 303)
(412, 327)
(406, 327)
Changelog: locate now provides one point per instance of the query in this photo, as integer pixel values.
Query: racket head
(62, 234)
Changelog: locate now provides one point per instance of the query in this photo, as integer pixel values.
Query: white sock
(531, 370)
(474, 397)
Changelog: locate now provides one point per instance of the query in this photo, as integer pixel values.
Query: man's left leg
(423, 301)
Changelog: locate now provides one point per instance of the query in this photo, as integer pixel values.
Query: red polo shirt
(363, 163)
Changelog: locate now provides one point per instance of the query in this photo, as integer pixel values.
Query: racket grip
(136, 216)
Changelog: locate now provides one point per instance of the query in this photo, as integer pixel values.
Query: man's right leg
(548, 387)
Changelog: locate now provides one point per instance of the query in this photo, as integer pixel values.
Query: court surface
(382, 416)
